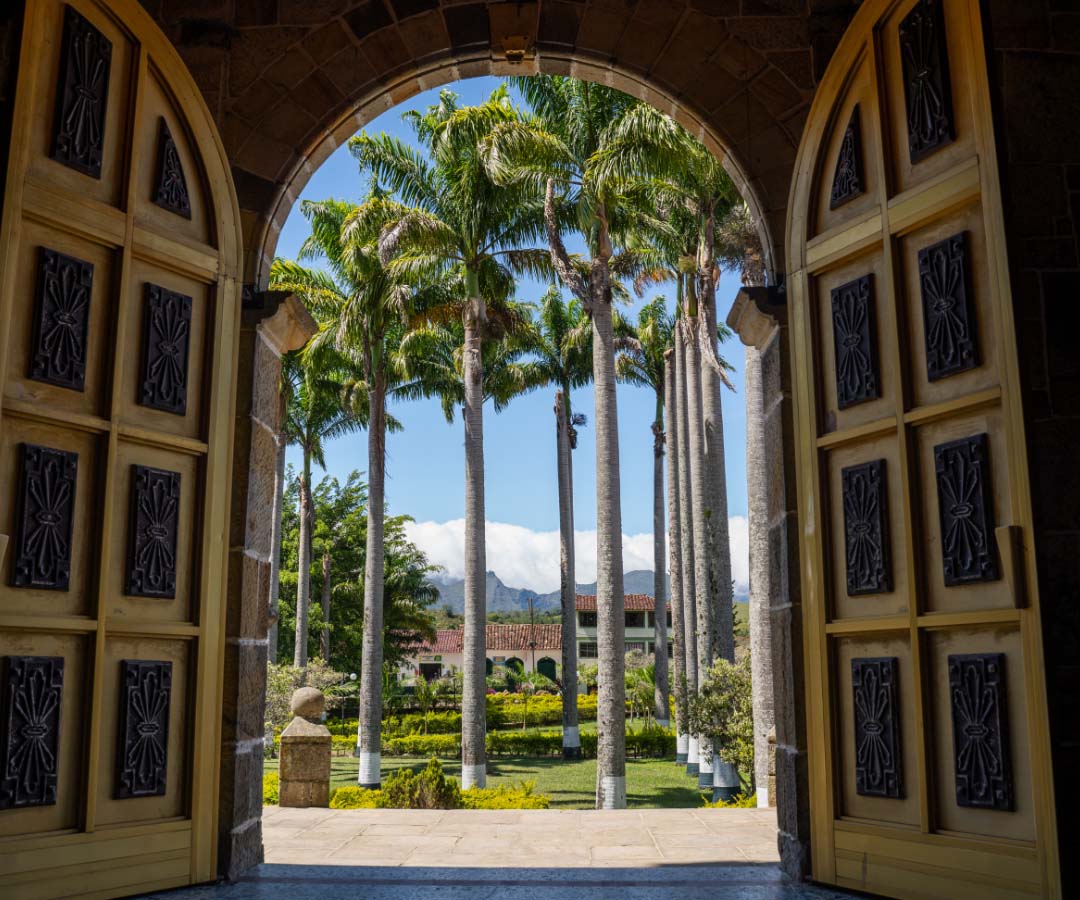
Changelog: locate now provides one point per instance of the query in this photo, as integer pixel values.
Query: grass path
(655, 783)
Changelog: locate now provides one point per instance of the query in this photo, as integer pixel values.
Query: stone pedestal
(305, 753)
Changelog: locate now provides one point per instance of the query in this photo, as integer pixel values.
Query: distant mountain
(501, 598)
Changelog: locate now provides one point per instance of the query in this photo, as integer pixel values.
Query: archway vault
(289, 80)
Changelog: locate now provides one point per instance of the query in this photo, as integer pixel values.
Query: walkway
(650, 854)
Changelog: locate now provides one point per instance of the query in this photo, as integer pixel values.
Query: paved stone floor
(691, 854)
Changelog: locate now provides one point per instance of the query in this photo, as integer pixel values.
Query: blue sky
(425, 462)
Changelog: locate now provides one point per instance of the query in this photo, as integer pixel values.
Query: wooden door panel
(119, 299)
(921, 624)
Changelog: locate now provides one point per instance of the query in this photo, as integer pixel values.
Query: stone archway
(290, 81)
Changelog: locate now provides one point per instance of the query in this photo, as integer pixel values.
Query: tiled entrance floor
(691, 854)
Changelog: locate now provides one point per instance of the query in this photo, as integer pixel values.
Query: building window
(669, 619)
(670, 650)
(635, 620)
(587, 619)
(588, 650)
(639, 646)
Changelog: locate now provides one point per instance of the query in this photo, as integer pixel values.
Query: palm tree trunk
(686, 534)
(324, 638)
(474, 688)
(716, 490)
(369, 728)
(700, 501)
(303, 585)
(760, 577)
(610, 597)
(275, 547)
(661, 709)
(675, 555)
(568, 588)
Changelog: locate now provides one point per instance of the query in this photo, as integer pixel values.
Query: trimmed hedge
(521, 796)
(271, 788)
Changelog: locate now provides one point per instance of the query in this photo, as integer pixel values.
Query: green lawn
(571, 785)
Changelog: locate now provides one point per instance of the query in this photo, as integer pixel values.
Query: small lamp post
(352, 677)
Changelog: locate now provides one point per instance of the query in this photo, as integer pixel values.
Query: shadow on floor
(730, 881)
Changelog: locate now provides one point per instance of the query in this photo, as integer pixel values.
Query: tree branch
(560, 259)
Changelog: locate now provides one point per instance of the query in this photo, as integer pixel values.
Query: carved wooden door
(118, 320)
(929, 760)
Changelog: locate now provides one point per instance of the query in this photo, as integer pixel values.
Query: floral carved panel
(947, 318)
(980, 731)
(82, 95)
(878, 761)
(171, 190)
(61, 320)
(154, 520)
(866, 529)
(927, 93)
(166, 338)
(848, 178)
(965, 509)
(145, 692)
(855, 342)
(30, 737)
(46, 511)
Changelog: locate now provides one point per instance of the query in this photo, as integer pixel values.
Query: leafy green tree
(314, 415)
(723, 711)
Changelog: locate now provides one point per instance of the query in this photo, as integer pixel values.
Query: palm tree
(675, 565)
(555, 150)
(314, 415)
(562, 354)
(361, 305)
(641, 362)
(459, 220)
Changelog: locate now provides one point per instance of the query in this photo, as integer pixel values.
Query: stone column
(271, 324)
(759, 317)
(757, 489)
(305, 753)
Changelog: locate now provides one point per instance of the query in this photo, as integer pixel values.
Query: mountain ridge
(503, 598)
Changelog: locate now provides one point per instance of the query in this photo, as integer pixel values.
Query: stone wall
(271, 324)
(759, 317)
(1035, 79)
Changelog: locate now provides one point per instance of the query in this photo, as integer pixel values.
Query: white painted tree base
(571, 736)
(370, 769)
(474, 776)
(682, 743)
(762, 797)
(692, 751)
(613, 787)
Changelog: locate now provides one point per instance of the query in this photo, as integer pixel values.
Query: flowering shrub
(271, 788)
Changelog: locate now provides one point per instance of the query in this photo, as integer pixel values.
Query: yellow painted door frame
(121, 229)
(895, 223)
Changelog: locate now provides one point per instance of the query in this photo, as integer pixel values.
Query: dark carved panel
(855, 340)
(878, 759)
(166, 336)
(46, 510)
(966, 510)
(947, 318)
(143, 748)
(927, 94)
(30, 736)
(980, 731)
(171, 191)
(866, 528)
(155, 515)
(848, 177)
(61, 320)
(82, 95)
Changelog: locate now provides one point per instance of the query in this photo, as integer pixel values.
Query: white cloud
(524, 558)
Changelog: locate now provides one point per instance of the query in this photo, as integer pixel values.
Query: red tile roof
(515, 638)
(634, 602)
